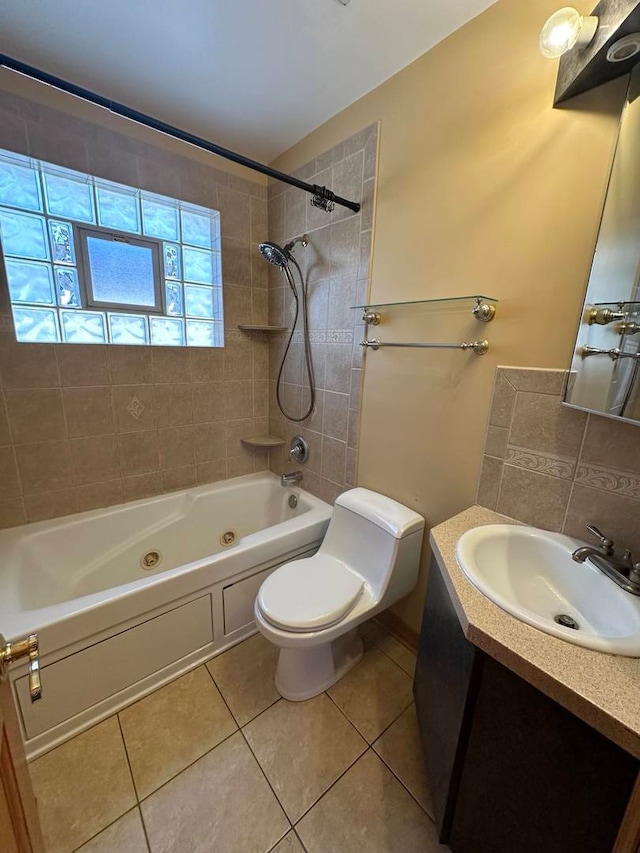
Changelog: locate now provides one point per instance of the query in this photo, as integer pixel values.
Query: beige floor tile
(222, 802)
(368, 810)
(400, 748)
(303, 747)
(126, 835)
(289, 844)
(404, 657)
(245, 675)
(373, 694)
(82, 786)
(172, 727)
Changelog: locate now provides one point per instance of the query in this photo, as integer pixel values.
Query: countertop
(601, 689)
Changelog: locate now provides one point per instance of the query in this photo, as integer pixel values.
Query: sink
(530, 574)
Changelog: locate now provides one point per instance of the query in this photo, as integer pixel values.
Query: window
(92, 261)
(121, 271)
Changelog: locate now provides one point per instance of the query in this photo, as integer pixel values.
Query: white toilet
(311, 608)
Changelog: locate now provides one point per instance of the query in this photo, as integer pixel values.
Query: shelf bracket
(484, 311)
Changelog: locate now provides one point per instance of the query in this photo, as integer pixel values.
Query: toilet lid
(308, 594)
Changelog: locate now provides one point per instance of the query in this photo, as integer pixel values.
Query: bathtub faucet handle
(29, 647)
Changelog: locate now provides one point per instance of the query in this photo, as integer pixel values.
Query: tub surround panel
(89, 426)
(161, 620)
(555, 467)
(337, 263)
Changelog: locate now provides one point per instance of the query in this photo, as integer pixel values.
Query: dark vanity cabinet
(510, 770)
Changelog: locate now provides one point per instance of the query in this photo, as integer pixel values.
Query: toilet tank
(378, 538)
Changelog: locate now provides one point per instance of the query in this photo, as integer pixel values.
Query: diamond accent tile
(135, 407)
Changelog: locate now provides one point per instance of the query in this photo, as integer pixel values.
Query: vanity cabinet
(510, 770)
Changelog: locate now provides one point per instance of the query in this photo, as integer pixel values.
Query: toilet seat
(309, 594)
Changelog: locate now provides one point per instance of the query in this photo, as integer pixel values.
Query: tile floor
(217, 761)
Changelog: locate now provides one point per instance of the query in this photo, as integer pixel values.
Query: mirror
(605, 369)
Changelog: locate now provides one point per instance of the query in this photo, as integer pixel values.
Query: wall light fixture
(625, 48)
(565, 29)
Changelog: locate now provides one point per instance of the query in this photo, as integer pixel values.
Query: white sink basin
(530, 574)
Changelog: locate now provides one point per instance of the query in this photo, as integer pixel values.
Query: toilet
(311, 608)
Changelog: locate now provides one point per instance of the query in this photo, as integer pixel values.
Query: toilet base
(303, 673)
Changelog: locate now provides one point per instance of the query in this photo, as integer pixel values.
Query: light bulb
(564, 29)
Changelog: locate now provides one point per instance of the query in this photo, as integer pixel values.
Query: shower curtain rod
(322, 197)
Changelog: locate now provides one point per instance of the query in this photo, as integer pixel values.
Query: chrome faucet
(291, 479)
(621, 569)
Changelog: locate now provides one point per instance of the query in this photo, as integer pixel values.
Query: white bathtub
(109, 629)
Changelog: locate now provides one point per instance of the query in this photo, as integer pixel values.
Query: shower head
(274, 254)
(279, 256)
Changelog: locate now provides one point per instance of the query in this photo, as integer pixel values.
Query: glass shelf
(603, 313)
(620, 304)
(629, 309)
(444, 299)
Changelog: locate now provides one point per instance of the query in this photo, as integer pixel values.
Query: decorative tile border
(339, 336)
(543, 463)
(325, 336)
(607, 480)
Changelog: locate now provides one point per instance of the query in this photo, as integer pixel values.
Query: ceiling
(252, 75)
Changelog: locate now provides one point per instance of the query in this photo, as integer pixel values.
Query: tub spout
(291, 479)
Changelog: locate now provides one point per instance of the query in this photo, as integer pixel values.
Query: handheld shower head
(274, 254)
(282, 257)
(279, 256)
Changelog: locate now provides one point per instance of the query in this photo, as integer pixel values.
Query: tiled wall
(336, 264)
(556, 467)
(89, 426)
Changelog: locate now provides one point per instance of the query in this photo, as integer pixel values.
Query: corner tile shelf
(249, 328)
(265, 442)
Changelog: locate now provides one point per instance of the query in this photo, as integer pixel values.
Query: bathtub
(125, 599)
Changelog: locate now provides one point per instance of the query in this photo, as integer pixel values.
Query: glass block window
(93, 261)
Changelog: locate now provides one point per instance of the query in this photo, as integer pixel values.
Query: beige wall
(482, 187)
(72, 434)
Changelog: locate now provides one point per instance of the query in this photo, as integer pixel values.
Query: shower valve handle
(299, 451)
